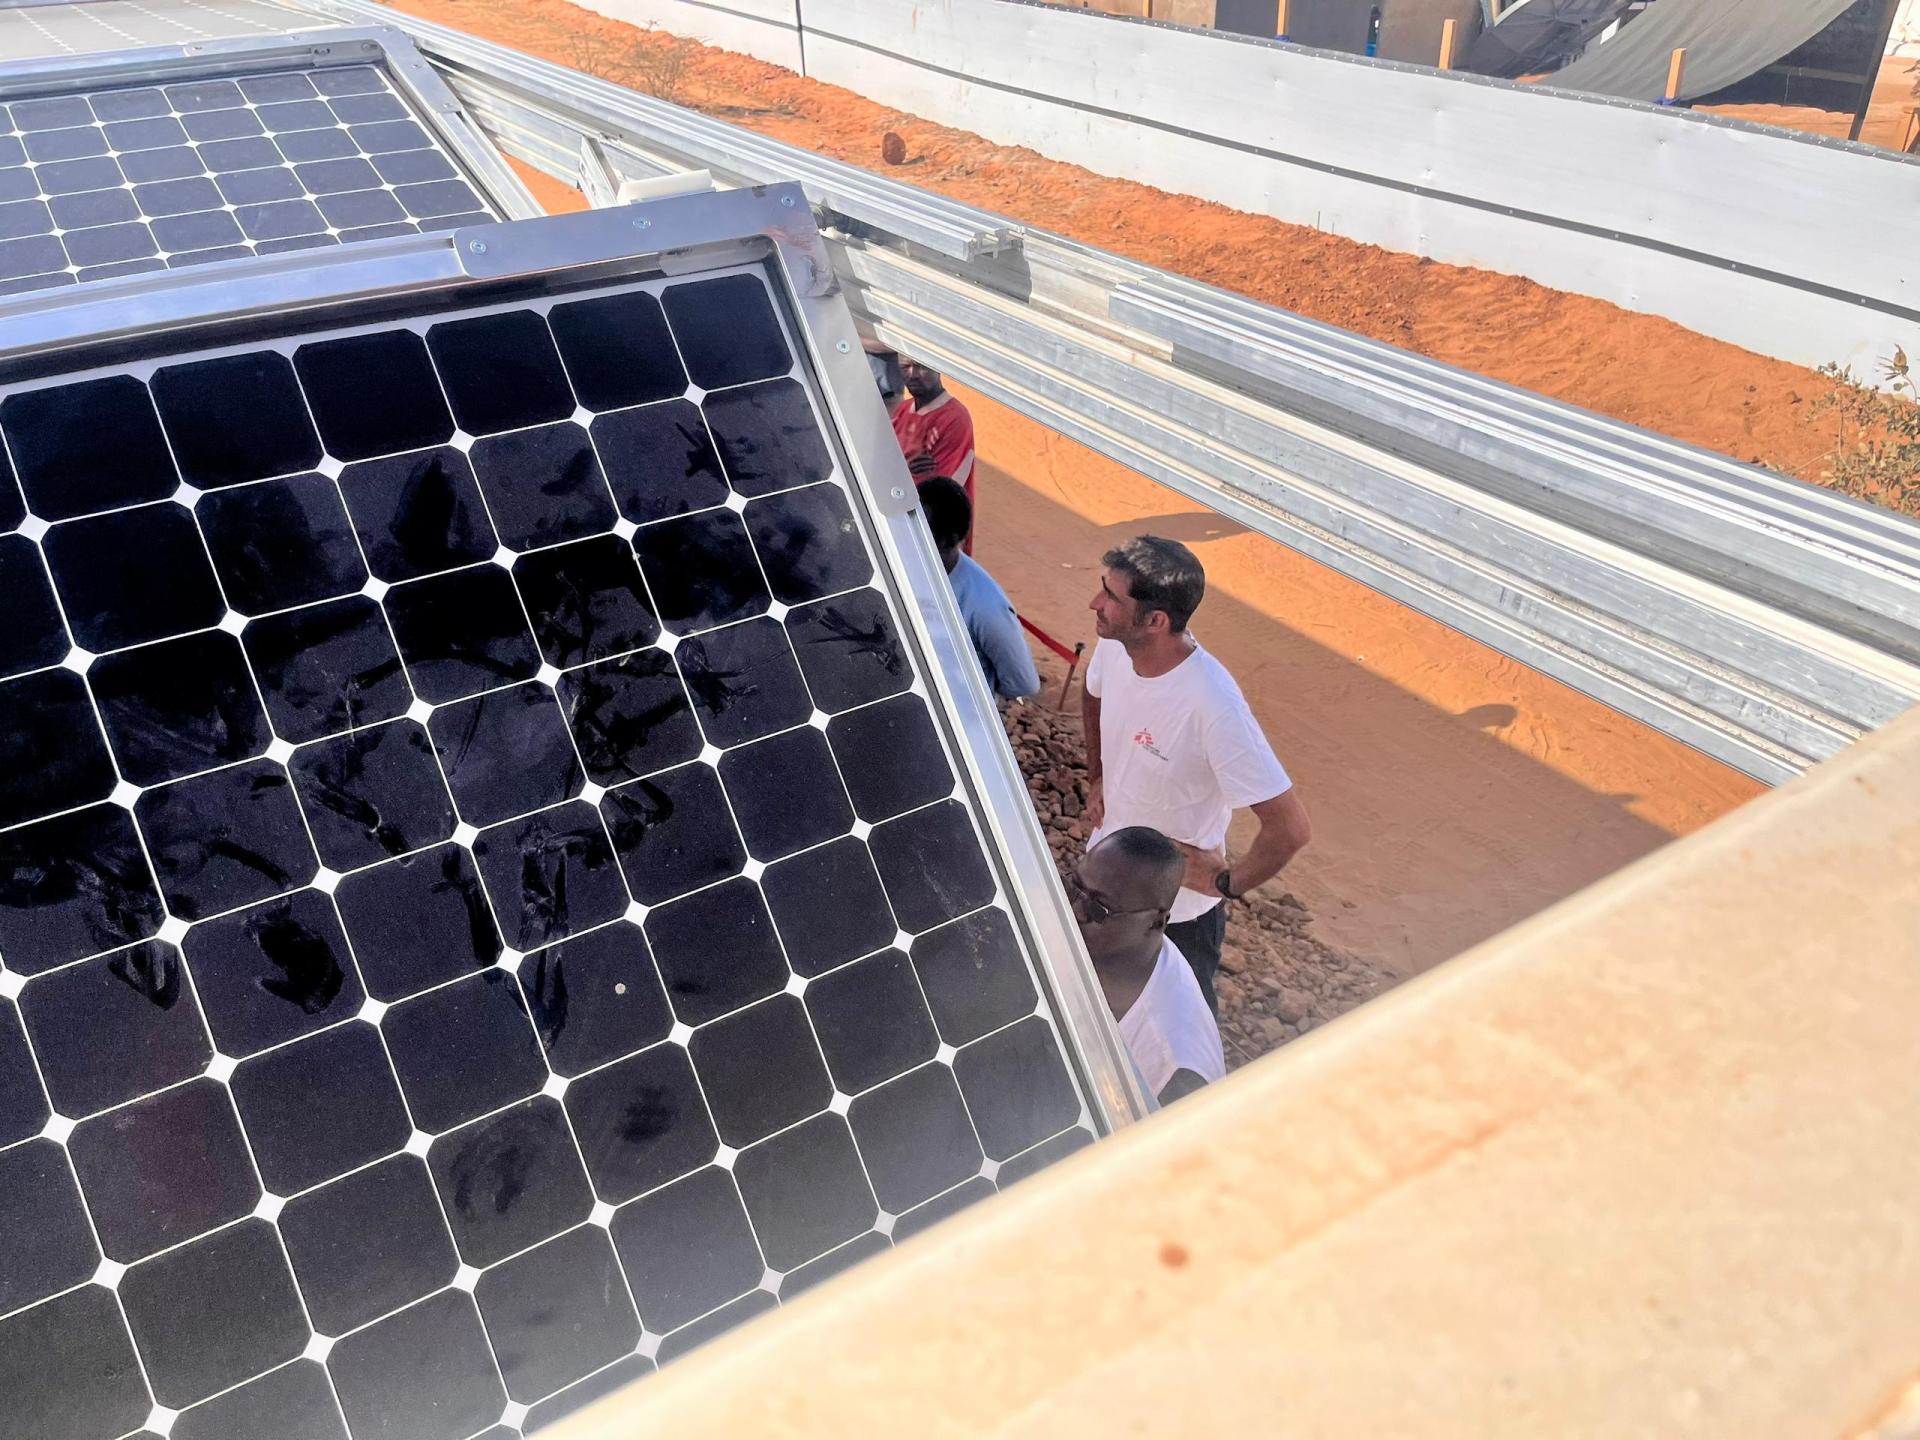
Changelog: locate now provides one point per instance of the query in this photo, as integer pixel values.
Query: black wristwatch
(1223, 882)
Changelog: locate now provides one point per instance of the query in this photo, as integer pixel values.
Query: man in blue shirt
(991, 623)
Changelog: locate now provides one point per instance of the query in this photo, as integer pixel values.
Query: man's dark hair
(1152, 852)
(949, 513)
(1161, 575)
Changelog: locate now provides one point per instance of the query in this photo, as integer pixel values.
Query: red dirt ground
(1454, 792)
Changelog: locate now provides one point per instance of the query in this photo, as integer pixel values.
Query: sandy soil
(1893, 101)
(1454, 792)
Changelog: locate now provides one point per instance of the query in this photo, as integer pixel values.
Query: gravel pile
(1277, 979)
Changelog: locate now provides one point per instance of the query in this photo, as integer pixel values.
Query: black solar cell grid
(143, 178)
(479, 910)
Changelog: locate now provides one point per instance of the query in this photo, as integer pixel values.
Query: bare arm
(1184, 1082)
(1090, 723)
(1284, 833)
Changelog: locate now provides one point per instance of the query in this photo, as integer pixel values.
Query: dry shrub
(1876, 435)
(653, 62)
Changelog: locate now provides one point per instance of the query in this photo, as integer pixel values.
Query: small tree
(1876, 435)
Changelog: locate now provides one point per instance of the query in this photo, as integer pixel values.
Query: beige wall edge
(1647, 1165)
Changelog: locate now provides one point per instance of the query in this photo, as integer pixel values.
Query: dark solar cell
(641, 1122)
(238, 418)
(716, 950)
(462, 632)
(372, 793)
(46, 1245)
(506, 753)
(586, 600)
(785, 793)
(463, 1050)
(225, 839)
(368, 1243)
(179, 706)
(702, 571)
(33, 636)
(760, 1070)
(73, 885)
(550, 875)
(273, 972)
(144, 1201)
(115, 1027)
(281, 543)
(95, 445)
(659, 460)
(510, 1181)
(849, 649)
(213, 1313)
(501, 371)
(915, 1136)
(727, 331)
(488, 835)
(618, 351)
(744, 682)
(674, 833)
(132, 576)
(828, 905)
(291, 1403)
(374, 394)
(543, 486)
(425, 1372)
(51, 756)
(418, 921)
(687, 1248)
(1016, 1086)
(320, 1107)
(68, 1368)
(871, 1020)
(595, 998)
(805, 1191)
(766, 437)
(418, 514)
(327, 668)
(570, 1285)
(629, 716)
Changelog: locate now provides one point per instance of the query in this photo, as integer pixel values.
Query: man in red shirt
(934, 430)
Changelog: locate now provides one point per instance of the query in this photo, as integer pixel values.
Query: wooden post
(1676, 76)
(1280, 21)
(1446, 44)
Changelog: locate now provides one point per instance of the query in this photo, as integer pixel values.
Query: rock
(1272, 1032)
(1293, 1005)
(1232, 962)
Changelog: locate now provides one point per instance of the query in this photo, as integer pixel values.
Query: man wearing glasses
(1122, 893)
(1172, 745)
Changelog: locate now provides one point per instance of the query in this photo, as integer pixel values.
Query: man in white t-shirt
(1121, 894)
(1172, 745)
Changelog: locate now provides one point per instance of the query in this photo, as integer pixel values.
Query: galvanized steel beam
(1766, 622)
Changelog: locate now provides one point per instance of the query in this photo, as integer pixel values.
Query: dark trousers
(1199, 940)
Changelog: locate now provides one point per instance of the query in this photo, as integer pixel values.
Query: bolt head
(843, 347)
(478, 247)
(898, 493)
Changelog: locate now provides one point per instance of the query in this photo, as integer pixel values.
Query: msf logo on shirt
(1144, 739)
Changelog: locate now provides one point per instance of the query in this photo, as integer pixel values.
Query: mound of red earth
(1278, 980)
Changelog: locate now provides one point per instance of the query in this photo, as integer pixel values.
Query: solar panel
(487, 900)
(131, 179)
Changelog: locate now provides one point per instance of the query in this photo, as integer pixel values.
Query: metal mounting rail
(1766, 622)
